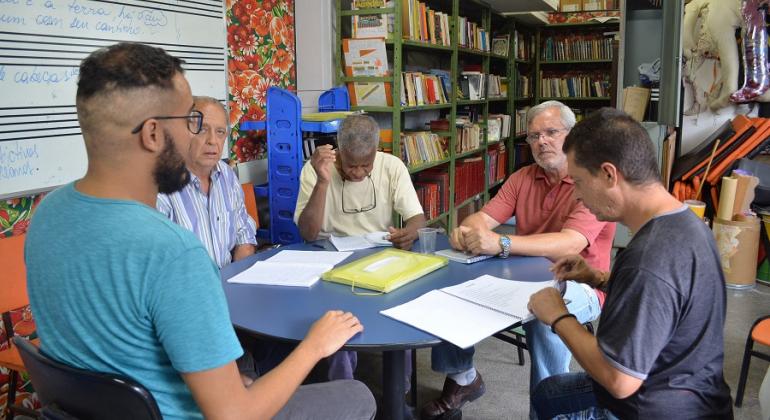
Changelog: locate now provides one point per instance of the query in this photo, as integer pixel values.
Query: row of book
(469, 178)
(497, 86)
(582, 85)
(432, 186)
(421, 23)
(421, 147)
(468, 137)
(472, 35)
(522, 156)
(590, 46)
(523, 86)
(587, 5)
(472, 85)
(496, 160)
(498, 127)
(419, 88)
(523, 45)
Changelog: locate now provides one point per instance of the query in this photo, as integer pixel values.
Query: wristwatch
(505, 245)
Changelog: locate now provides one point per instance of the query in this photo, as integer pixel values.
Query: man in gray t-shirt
(658, 350)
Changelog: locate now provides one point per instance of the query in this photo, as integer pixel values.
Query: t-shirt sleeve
(189, 311)
(307, 182)
(503, 205)
(405, 200)
(638, 320)
(581, 219)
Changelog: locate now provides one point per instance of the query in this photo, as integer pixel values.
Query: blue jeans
(568, 396)
(550, 356)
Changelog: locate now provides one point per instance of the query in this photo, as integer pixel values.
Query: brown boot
(453, 397)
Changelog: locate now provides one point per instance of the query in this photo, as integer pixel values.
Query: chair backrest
(84, 394)
(250, 201)
(13, 281)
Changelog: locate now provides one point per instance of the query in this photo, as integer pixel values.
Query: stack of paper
(290, 268)
(472, 311)
(353, 243)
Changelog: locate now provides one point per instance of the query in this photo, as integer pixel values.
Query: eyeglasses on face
(194, 121)
(548, 134)
(364, 208)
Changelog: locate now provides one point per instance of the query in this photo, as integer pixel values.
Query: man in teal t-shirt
(117, 287)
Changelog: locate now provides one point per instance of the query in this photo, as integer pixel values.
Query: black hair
(126, 65)
(611, 135)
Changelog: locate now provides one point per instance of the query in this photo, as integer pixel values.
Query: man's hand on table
(479, 241)
(402, 238)
(331, 332)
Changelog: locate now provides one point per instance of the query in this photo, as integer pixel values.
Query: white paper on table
(281, 274)
(353, 243)
(469, 312)
(309, 257)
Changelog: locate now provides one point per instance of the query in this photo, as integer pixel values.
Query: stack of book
(432, 187)
(523, 45)
(372, 26)
(469, 178)
(421, 147)
(421, 23)
(573, 47)
(498, 127)
(495, 86)
(524, 86)
(472, 35)
(472, 85)
(468, 137)
(522, 155)
(497, 157)
(418, 88)
(594, 84)
(521, 120)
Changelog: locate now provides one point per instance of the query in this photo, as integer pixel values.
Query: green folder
(385, 270)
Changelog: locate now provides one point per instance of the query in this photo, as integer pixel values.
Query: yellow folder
(385, 270)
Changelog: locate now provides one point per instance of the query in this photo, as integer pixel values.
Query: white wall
(314, 23)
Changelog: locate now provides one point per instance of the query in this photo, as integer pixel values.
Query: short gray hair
(567, 116)
(358, 135)
(208, 100)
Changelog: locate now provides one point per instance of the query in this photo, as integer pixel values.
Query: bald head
(121, 85)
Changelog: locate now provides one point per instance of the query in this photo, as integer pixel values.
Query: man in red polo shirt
(551, 223)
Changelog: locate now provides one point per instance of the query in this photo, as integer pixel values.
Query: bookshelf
(446, 43)
(574, 64)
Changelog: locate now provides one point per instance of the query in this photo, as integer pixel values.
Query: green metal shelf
(425, 45)
(470, 102)
(522, 61)
(582, 24)
(497, 98)
(372, 108)
(524, 98)
(469, 153)
(473, 51)
(424, 107)
(496, 183)
(469, 200)
(438, 218)
(499, 57)
(574, 98)
(367, 79)
(575, 61)
(378, 11)
(428, 165)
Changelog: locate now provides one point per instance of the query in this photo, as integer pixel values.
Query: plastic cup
(427, 238)
(698, 207)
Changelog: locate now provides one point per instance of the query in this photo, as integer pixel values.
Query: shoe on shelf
(453, 398)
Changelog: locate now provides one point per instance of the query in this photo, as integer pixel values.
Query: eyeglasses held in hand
(194, 121)
(548, 134)
(364, 208)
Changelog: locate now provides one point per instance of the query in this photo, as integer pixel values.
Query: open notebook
(385, 270)
(472, 311)
(354, 243)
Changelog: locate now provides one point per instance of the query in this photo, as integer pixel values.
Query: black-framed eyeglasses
(194, 121)
(364, 208)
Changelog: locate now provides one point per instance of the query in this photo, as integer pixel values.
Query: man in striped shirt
(211, 205)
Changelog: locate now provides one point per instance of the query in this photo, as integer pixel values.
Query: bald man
(129, 292)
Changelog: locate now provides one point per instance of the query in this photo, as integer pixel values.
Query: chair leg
(744, 371)
(413, 390)
(11, 400)
(519, 350)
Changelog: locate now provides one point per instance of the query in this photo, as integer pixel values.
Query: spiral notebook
(472, 311)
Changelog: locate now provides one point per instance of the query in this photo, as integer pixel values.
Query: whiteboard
(41, 45)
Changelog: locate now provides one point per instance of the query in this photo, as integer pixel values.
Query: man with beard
(211, 204)
(129, 292)
(658, 352)
(551, 223)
